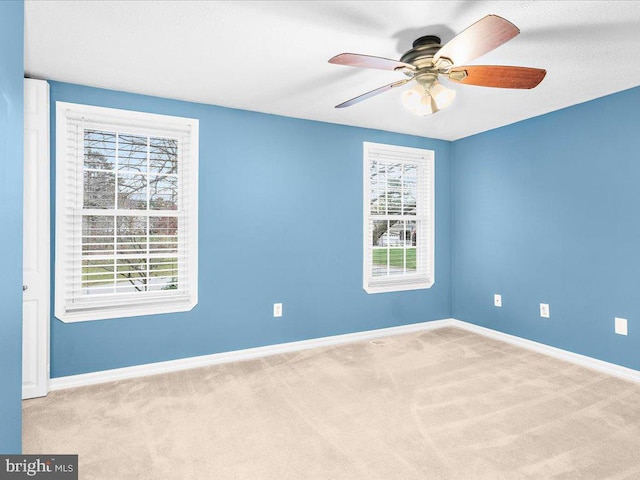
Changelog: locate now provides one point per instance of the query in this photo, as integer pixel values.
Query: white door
(35, 238)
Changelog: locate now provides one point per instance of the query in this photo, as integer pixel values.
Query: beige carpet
(441, 404)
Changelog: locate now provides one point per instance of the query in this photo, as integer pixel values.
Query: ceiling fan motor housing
(424, 48)
(421, 57)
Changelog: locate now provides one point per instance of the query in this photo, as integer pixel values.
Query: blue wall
(543, 211)
(11, 145)
(548, 211)
(280, 221)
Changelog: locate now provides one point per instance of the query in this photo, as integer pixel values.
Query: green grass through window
(100, 275)
(395, 256)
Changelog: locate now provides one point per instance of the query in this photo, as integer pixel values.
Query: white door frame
(36, 303)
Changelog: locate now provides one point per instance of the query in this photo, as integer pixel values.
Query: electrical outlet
(497, 300)
(277, 309)
(621, 326)
(544, 310)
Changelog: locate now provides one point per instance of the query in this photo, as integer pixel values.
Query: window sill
(125, 311)
(398, 288)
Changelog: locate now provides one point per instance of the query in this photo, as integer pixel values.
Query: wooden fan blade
(483, 36)
(372, 93)
(367, 61)
(499, 76)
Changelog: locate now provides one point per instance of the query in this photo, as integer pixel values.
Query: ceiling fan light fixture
(426, 100)
(442, 96)
(418, 101)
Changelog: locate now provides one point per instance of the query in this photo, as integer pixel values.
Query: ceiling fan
(428, 59)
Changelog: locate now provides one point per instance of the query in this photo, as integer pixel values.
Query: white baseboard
(582, 360)
(104, 376)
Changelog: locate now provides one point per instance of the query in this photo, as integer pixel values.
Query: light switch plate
(544, 310)
(621, 326)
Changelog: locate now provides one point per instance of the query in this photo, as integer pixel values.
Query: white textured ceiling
(272, 56)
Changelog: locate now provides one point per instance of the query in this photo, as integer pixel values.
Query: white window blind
(398, 218)
(126, 213)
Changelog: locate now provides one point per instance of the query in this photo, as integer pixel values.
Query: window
(126, 213)
(398, 218)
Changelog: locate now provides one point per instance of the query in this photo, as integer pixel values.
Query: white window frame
(75, 307)
(425, 216)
